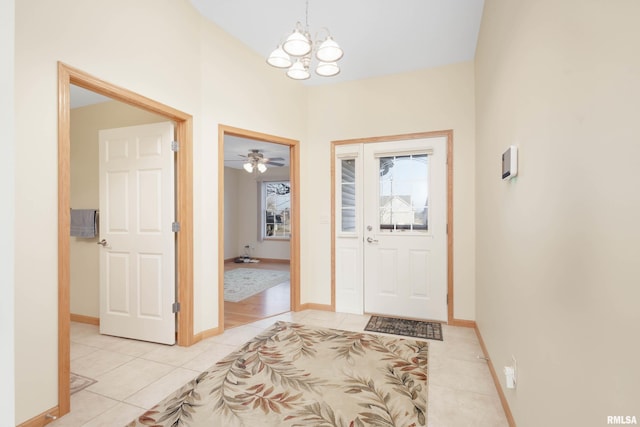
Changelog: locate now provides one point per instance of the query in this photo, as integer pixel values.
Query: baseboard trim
(42, 419)
(80, 318)
(270, 260)
(496, 380)
(275, 260)
(207, 333)
(463, 323)
(314, 306)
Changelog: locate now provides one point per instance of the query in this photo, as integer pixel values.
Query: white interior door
(391, 244)
(137, 208)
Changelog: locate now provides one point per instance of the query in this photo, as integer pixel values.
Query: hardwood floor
(273, 301)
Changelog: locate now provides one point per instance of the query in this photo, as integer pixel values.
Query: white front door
(391, 234)
(137, 208)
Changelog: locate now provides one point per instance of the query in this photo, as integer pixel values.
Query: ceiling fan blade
(277, 159)
(270, 163)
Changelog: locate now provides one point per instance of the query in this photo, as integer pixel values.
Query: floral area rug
(296, 375)
(241, 283)
(78, 382)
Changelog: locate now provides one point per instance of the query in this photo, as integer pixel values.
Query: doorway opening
(68, 76)
(258, 224)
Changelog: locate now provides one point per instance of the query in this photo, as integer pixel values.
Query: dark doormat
(409, 328)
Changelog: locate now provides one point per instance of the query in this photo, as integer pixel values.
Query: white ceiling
(379, 37)
(81, 97)
(235, 148)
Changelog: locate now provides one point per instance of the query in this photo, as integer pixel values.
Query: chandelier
(298, 49)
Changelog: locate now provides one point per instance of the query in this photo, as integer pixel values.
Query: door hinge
(175, 226)
(175, 146)
(447, 299)
(447, 229)
(175, 307)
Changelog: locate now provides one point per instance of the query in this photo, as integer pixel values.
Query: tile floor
(132, 376)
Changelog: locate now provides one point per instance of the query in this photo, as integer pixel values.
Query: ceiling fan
(255, 160)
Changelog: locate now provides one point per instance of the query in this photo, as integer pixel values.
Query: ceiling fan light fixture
(248, 167)
(262, 168)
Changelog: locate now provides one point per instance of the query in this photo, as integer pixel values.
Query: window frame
(262, 212)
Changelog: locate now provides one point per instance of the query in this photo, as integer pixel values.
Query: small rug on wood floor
(78, 382)
(298, 375)
(241, 283)
(409, 328)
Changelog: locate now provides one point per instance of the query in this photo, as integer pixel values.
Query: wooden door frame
(67, 76)
(448, 134)
(294, 242)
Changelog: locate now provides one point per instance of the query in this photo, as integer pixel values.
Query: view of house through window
(276, 201)
(404, 189)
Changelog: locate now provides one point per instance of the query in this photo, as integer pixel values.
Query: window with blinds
(348, 196)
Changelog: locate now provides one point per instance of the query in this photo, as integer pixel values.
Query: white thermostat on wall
(510, 162)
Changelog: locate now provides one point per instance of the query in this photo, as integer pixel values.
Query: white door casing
(400, 272)
(137, 208)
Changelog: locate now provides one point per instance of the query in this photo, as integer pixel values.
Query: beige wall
(427, 100)
(7, 213)
(231, 199)
(195, 67)
(557, 247)
(85, 253)
(241, 221)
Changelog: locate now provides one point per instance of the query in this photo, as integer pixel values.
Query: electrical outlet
(510, 373)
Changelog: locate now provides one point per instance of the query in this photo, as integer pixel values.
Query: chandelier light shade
(297, 44)
(327, 69)
(298, 48)
(279, 58)
(329, 51)
(298, 71)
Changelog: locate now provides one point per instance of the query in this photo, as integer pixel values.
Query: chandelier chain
(306, 16)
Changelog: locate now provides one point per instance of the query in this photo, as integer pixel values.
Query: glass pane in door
(404, 189)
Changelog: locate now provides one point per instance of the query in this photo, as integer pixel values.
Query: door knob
(102, 243)
(370, 240)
